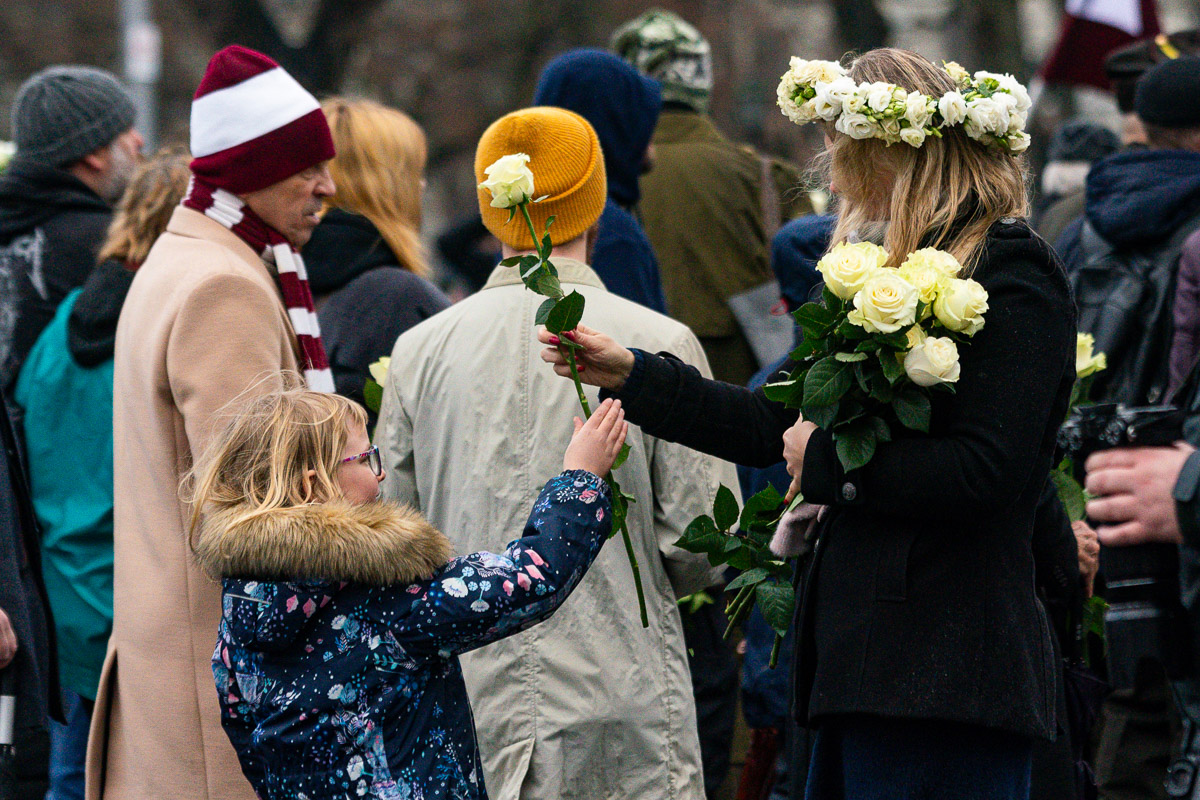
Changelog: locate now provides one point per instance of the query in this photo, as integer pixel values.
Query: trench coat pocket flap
(511, 766)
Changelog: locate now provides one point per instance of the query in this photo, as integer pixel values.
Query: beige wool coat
(202, 323)
(588, 704)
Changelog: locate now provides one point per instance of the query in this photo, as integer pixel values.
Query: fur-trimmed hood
(375, 543)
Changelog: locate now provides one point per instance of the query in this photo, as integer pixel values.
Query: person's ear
(307, 482)
(98, 160)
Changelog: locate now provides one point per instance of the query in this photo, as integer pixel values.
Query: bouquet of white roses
(880, 342)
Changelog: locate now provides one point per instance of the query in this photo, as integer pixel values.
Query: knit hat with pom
(253, 125)
(568, 170)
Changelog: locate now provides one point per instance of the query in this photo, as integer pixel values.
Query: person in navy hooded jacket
(342, 616)
(623, 106)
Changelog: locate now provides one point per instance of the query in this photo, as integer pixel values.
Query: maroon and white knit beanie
(253, 125)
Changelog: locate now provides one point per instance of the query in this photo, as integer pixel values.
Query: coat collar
(676, 126)
(194, 225)
(376, 543)
(569, 271)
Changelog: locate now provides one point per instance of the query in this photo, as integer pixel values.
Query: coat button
(849, 491)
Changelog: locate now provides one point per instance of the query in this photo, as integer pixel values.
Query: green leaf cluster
(765, 579)
(852, 382)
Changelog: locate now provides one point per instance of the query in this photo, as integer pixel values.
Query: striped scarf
(229, 210)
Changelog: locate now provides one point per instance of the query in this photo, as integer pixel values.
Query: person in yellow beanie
(590, 702)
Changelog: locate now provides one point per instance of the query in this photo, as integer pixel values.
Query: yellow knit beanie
(568, 167)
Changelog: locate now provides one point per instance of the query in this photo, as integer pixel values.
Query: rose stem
(569, 355)
(775, 651)
(734, 609)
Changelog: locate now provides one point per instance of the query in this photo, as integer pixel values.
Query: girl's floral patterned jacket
(336, 663)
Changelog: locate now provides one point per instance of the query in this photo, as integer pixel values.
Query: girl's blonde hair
(945, 194)
(261, 457)
(378, 169)
(157, 186)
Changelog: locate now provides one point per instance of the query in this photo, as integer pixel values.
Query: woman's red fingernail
(554, 340)
(570, 335)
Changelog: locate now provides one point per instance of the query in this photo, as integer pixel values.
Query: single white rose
(915, 337)
(856, 126)
(957, 73)
(846, 267)
(1088, 362)
(509, 180)
(379, 369)
(809, 73)
(879, 96)
(1018, 142)
(916, 110)
(841, 88)
(856, 101)
(925, 274)
(960, 306)
(938, 259)
(885, 304)
(933, 361)
(913, 137)
(825, 105)
(953, 108)
(986, 115)
(891, 130)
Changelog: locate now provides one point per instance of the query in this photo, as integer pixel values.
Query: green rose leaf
(566, 314)
(822, 416)
(548, 286)
(787, 392)
(855, 445)
(826, 382)
(543, 312)
(883, 433)
(529, 266)
(372, 395)
(893, 368)
(550, 222)
(622, 456)
(701, 536)
(511, 262)
(547, 246)
(850, 358)
(776, 601)
(725, 508)
(1071, 494)
(762, 503)
(756, 575)
(913, 409)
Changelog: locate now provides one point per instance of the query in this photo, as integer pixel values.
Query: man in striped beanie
(219, 309)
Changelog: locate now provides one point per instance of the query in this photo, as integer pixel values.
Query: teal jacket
(68, 433)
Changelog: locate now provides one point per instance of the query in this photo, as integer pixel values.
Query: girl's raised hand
(596, 443)
(602, 362)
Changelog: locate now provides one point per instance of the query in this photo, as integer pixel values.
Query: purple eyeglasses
(373, 459)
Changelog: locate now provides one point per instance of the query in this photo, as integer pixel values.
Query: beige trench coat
(588, 704)
(203, 322)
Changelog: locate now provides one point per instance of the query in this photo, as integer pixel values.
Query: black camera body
(1145, 618)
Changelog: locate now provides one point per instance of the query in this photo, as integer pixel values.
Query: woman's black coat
(920, 599)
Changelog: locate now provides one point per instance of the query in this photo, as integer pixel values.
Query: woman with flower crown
(923, 657)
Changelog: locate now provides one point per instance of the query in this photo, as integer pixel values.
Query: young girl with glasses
(343, 616)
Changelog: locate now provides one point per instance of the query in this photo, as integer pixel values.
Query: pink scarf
(229, 210)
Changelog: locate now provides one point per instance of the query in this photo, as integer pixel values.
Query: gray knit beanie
(63, 113)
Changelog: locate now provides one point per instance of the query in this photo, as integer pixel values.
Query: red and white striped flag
(1092, 29)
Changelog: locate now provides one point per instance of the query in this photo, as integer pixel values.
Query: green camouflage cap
(665, 47)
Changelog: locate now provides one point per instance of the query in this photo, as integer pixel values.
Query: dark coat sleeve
(1012, 387)
(671, 400)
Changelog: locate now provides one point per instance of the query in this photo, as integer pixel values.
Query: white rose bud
(1018, 142)
(509, 180)
(960, 306)
(916, 110)
(841, 89)
(953, 108)
(1086, 361)
(885, 304)
(914, 137)
(856, 126)
(847, 267)
(933, 361)
(879, 96)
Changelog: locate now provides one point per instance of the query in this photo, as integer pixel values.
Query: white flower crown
(992, 108)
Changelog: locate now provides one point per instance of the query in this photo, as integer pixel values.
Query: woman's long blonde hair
(946, 193)
(378, 170)
(156, 187)
(261, 456)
